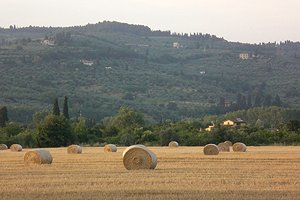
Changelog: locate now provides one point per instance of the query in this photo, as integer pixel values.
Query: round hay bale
(141, 145)
(15, 147)
(74, 149)
(173, 144)
(239, 147)
(224, 147)
(3, 147)
(228, 142)
(110, 148)
(211, 149)
(38, 157)
(138, 157)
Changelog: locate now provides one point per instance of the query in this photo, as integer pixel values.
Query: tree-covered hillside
(165, 75)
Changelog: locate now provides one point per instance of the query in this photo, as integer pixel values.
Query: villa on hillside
(87, 62)
(244, 56)
(48, 42)
(210, 128)
(235, 122)
(177, 45)
(227, 104)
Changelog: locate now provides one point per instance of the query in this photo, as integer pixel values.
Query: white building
(48, 42)
(87, 62)
(177, 45)
(244, 56)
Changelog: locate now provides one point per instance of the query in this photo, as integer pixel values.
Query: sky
(249, 21)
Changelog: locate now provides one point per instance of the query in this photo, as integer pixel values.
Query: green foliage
(55, 110)
(167, 135)
(3, 116)
(127, 139)
(127, 127)
(12, 129)
(80, 130)
(277, 101)
(128, 119)
(259, 123)
(39, 117)
(109, 128)
(293, 125)
(55, 131)
(148, 137)
(26, 138)
(137, 67)
(66, 108)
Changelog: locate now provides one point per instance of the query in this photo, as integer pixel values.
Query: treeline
(250, 101)
(265, 126)
(111, 26)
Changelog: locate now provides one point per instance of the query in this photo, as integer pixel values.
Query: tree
(80, 130)
(277, 101)
(172, 106)
(65, 108)
(167, 135)
(127, 118)
(257, 100)
(55, 108)
(267, 101)
(239, 101)
(222, 102)
(293, 125)
(259, 123)
(146, 56)
(39, 117)
(3, 116)
(244, 102)
(55, 131)
(249, 101)
(126, 121)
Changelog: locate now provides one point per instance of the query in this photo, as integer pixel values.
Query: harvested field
(181, 173)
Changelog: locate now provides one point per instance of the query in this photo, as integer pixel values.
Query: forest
(130, 84)
(52, 128)
(162, 74)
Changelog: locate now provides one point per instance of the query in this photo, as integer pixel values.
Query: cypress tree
(2, 122)
(277, 101)
(55, 110)
(249, 101)
(257, 101)
(222, 102)
(65, 108)
(239, 101)
(267, 101)
(244, 102)
(3, 116)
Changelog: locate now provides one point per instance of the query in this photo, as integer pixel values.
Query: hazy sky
(236, 20)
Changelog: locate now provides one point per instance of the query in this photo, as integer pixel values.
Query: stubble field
(181, 173)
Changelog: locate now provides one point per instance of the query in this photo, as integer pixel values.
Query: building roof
(236, 120)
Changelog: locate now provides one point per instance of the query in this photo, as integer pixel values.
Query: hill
(162, 74)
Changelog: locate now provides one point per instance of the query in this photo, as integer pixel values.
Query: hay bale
(173, 144)
(110, 148)
(141, 145)
(211, 149)
(3, 147)
(15, 147)
(239, 147)
(224, 147)
(38, 157)
(74, 149)
(138, 157)
(228, 142)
